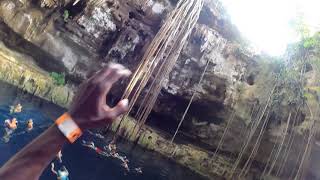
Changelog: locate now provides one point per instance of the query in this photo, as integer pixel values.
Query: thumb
(121, 108)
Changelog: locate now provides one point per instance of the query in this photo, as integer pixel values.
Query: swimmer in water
(125, 165)
(138, 170)
(30, 125)
(116, 155)
(59, 156)
(10, 127)
(8, 131)
(88, 144)
(112, 148)
(18, 108)
(92, 146)
(62, 173)
(123, 158)
(11, 124)
(96, 135)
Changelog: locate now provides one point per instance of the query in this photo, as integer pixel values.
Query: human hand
(89, 108)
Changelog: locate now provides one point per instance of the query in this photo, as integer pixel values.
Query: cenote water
(82, 163)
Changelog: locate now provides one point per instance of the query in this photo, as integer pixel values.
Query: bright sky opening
(266, 23)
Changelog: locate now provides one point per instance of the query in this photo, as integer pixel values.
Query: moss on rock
(14, 70)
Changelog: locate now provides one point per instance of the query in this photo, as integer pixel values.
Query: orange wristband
(68, 127)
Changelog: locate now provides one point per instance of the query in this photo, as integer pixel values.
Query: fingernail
(125, 102)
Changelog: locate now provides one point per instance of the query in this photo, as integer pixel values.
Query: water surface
(83, 163)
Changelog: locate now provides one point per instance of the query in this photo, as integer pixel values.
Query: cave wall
(97, 32)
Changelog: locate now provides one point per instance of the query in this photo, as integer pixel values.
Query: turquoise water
(82, 163)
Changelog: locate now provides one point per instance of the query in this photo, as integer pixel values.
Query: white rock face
(60, 50)
(99, 22)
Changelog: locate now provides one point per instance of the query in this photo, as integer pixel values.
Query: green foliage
(300, 26)
(66, 15)
(315, 62)
(309, 43)
(59, 79)
(307, 95)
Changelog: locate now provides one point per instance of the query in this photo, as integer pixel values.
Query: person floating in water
(88, 144)
(29, 125)
(112, 147)
(11, 124)
(125, 165)
(62, 173)
(92, 146)
(59, 156)
(96, 134)
(87, 110)
(16, 109)
(138, 170)
(10, 127)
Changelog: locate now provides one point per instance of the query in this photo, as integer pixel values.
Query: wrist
(79, 120)
(68, 127)
(57, 133)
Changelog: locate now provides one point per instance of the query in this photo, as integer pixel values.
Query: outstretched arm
(52, 169)
(88, 110)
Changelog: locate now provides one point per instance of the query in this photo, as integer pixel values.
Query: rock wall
(80, 39)
(19, 70)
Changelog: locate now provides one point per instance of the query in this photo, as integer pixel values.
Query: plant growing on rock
(58, 78)
(66, 15)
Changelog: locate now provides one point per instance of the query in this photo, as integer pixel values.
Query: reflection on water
(81, 162)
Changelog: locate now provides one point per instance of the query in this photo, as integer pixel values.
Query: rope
(190, 101)
(160, 58)
(252, 133)
(306, 151)
(288, 148)
(281, 145)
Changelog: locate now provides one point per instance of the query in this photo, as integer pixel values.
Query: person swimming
(96, 134)
(10, 127)
(138, 170)
(29, 124)
(125, 165)
(62, 173)
(92, 146)
(59, 156)
(11, 124)
(112, 148)
(16, 109)
(88, 144)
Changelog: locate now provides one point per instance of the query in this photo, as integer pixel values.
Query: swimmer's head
(14, 120)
